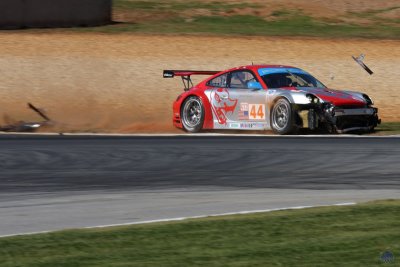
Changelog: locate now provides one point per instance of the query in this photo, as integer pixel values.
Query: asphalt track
(56, 182)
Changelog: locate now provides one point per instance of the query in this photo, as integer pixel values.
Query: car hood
(336, 97)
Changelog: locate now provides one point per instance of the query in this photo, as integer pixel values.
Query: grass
(326, 236)
(388, 128)
(222, 18)
(178, 6)
(243, 18)
(253, 26)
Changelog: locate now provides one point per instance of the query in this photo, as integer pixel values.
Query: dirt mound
(113, 83)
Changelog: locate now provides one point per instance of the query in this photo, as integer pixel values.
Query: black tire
(282, 117)
(192, 114)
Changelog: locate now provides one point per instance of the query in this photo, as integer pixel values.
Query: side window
(241, 79)
(219, 81)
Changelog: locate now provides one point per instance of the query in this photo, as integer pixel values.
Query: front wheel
(282, 118)
(192, 114)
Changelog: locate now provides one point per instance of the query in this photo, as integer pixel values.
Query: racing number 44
(257, 111)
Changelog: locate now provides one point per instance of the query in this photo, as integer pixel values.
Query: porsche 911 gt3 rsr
(264, 97)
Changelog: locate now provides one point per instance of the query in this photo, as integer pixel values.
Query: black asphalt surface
(65, 163)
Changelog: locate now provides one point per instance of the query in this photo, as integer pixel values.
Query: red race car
(264, 97)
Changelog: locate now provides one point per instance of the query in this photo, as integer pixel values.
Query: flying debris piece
(39, 111)
(360, 60)
(22, 126)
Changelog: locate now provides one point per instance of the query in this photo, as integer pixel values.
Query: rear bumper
(176, 116)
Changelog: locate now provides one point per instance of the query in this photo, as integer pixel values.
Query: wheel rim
(192, 113)
(280, 116)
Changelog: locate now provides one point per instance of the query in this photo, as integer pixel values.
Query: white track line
(187, 218)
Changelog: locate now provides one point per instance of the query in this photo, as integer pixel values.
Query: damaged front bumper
(339, 119)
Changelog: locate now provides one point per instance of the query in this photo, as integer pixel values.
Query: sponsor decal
(243, 114)
(251, 125)
(234, 125)
(222, 104)
(271, 92)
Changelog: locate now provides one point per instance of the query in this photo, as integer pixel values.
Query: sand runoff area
(113, 82)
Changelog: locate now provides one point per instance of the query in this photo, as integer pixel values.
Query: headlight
(368, 99)
(329, 108)
(312, 99)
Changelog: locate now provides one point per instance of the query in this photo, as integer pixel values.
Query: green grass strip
(326, 236)
(221, 18)
(300, 25)
(388, 128)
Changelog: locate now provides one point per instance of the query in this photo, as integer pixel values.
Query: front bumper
(340, 120)
(355, 112)
(361, 119)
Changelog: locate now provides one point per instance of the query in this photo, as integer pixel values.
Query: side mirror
(254, 85)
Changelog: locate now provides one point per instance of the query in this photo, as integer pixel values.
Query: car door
(251, 109)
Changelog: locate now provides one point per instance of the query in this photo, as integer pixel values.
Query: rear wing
(185, 75)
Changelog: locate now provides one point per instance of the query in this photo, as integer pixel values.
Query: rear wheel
(282, 117)
(192, 114)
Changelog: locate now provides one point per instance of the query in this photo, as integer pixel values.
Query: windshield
(281, 77)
